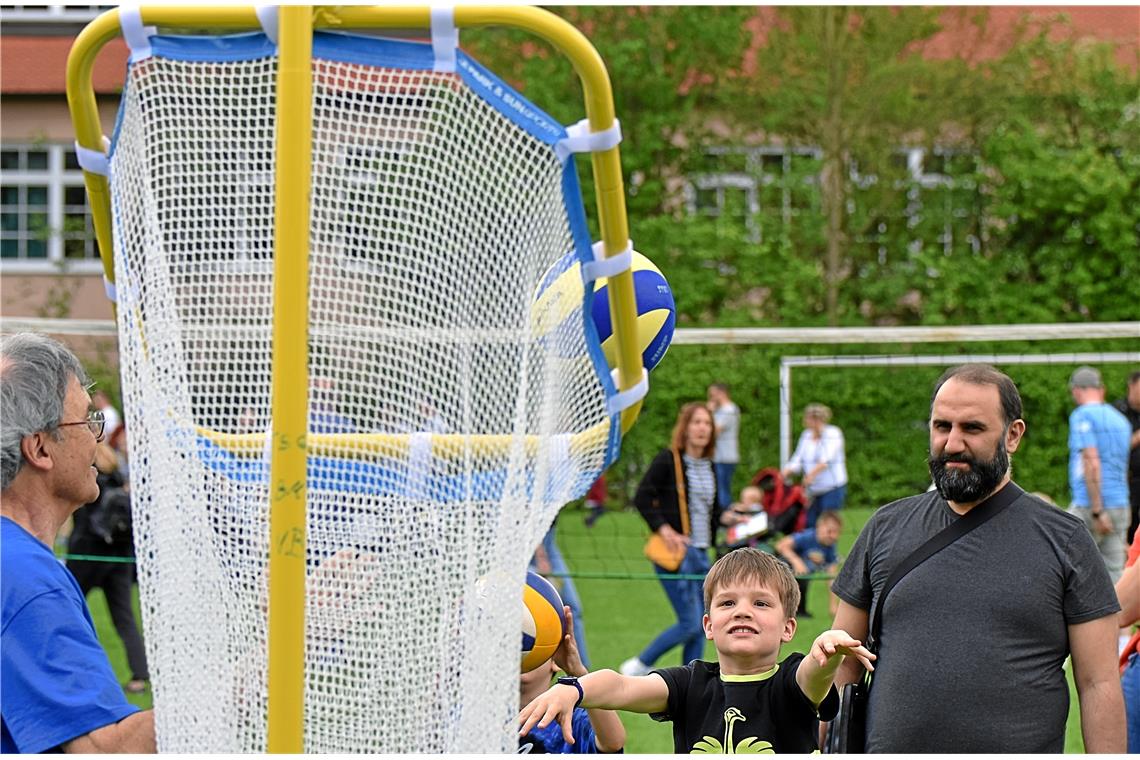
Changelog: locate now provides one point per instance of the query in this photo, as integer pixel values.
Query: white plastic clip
(94, 161)
(623, 400)
(607, 266)
(444, 37)
(579, 139)
(136, 35)
(109, 288)
(267, 17)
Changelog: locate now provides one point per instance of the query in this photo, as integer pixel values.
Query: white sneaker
(634, 667)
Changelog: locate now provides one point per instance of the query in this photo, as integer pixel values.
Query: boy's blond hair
(751, 563)
(831, 515)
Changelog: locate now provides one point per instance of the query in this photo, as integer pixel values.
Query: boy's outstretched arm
(609, 733)
(604, 689)
(816, 672)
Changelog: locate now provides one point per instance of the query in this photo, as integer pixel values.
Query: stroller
(783, 511)
(786, 504)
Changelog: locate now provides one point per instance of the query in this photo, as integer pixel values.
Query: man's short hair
(722, 387)
(35, 371)
(751, 563)
(1085, 377)
(985, 374)
(1134, 377)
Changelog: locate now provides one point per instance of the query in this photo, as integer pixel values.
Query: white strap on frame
(579, 139)
(444, 37)
(623, 400)
(267, 17)
(94, 161)
(607, 266)
(136, 35)
(109, 288)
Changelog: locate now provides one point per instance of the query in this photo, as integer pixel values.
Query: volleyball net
(351, 416)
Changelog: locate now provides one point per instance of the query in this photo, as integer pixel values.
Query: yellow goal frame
(290, 356)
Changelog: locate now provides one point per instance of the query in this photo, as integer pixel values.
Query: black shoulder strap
(937, 543)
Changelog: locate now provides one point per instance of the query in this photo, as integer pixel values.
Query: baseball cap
(1085, 377)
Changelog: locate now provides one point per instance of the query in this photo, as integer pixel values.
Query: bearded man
(974, 639)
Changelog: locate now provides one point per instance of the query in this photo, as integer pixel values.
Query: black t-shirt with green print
(766, 712)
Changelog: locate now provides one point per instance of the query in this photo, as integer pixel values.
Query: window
(44, 217)
(935, 195)
(50, 12)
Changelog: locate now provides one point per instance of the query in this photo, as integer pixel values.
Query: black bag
(848, 731)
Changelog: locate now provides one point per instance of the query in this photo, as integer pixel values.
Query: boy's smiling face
(747, 624)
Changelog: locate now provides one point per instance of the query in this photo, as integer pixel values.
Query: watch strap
(572, 681)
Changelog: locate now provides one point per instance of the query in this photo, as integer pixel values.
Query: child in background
(746, 702)
(596, 500)
(591, 731)
(813, 551)
(749, 503)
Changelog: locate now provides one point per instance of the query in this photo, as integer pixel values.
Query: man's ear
(34, 449)
(1013, 435)
(789, 630)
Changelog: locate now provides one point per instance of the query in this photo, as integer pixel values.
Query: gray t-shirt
(973, 639)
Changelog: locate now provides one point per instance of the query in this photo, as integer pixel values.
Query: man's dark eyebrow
(963, 423)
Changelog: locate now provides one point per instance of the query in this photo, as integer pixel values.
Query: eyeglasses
(94, 422)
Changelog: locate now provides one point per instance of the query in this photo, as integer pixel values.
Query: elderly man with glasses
(58, 689)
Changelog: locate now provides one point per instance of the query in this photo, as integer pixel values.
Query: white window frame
(56, 177)
(18, 12)
(755, 176)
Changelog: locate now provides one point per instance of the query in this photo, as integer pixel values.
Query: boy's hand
(566, 657)
(557, 703)
(831, 643)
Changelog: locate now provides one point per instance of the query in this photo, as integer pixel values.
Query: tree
(852, 82)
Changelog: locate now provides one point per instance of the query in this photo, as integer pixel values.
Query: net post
(785, 413)
(85, 116)
(287, 478)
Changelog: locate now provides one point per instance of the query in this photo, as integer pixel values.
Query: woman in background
(820, 456)
(662, 503)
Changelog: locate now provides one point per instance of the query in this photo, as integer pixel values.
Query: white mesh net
(434, 218)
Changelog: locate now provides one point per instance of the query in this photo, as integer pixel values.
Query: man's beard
(973, 484)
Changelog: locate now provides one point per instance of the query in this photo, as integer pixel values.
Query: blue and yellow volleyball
(543, 623)
(656, 313)
(560, 292)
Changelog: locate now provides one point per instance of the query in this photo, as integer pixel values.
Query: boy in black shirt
(746, 701)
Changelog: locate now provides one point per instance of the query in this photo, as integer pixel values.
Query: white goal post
(816, 335)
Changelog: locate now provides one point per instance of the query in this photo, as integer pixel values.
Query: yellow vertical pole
(286, 728)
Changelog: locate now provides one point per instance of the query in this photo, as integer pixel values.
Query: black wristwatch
(572, 681)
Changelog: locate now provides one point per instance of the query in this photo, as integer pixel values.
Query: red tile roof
(1117, 25)
(38, 65)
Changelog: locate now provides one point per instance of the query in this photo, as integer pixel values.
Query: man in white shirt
(726, 418)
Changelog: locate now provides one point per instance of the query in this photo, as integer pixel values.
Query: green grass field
(621, 615)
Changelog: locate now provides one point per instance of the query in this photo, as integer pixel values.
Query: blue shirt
(1102, 427)
(55, 680)
(814, 554)
(549, 740)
